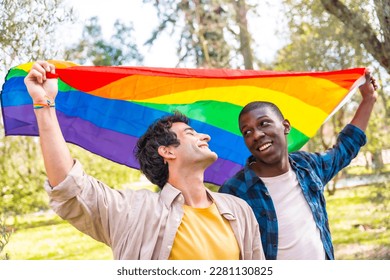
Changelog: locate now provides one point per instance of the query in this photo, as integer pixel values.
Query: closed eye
(190, 131)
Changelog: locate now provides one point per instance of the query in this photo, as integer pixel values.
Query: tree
(26, 27)
(214, 32)
(92, 47)
(371, 25)
(21, 176)
(113, 174)
(5, 234)
(245, 38)
(319, 41)
(119, 50)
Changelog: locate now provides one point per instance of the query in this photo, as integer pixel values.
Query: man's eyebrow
(258, 118)
(242, 127)
(189, 128)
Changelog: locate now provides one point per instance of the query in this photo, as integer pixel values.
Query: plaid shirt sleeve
(327, 164)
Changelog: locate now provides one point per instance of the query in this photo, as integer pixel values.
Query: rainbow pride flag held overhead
(105, 109)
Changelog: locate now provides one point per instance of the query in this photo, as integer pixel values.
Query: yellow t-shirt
(204, 235)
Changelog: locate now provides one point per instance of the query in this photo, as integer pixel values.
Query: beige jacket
(142, 224)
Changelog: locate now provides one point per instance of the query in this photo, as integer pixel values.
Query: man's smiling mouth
(265, 146)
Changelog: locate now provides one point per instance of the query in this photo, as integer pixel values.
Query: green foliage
(212, 33)
(370, 21)
(360, 221)
(53, 239)
(28, 29)
(25, 27)
(114, 175)
(320, 41)
(21, 176)
(5, 234)
(378, 139)
(212, 187)
(120, 49)
(363, 170)
(333, 34)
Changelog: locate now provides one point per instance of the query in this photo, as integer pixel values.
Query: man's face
(264, 134)
(193, 146)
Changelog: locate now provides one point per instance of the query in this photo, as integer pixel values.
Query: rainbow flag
(106, 109)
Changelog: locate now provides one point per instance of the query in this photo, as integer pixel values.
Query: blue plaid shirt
(314, 171)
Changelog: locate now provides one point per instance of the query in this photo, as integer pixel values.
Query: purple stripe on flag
(20, 120)
(221, 170)
(95, 139)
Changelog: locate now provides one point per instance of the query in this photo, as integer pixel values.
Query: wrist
(43, 103)
(370, 99)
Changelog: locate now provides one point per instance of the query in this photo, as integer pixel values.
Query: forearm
(363, 113)
(369, 96)
(57, 158)
(329, 163)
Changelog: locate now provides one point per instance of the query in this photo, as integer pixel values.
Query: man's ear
(166, 152)
(287, 126)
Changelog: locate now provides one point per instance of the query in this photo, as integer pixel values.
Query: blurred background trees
(329, 35)
(28, 29)
(92, 48)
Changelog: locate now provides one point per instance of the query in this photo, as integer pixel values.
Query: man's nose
(258, 134)
(204, 137)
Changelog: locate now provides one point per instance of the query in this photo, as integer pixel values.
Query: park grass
(359, 221)
(363, 170)
(46, 237)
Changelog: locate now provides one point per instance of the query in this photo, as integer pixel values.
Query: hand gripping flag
(105, 109)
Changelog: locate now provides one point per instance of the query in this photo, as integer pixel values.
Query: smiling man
(286, 191)
(183, 221)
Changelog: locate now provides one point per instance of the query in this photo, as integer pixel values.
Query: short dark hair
(261, 104)
(146, 151)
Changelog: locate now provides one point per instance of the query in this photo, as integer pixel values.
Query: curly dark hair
(158, 134)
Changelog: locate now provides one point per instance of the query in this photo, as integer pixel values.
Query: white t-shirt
(299, 238)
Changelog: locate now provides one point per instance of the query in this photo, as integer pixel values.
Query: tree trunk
(331, 185)
(245, 39)
(377, 161)
(379, 49)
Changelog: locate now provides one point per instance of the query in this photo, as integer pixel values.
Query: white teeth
(265, 146)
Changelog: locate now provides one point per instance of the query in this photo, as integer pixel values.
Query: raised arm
(369, 96)
(43, 91)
